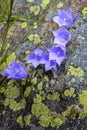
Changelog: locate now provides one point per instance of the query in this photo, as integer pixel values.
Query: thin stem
(8, 25)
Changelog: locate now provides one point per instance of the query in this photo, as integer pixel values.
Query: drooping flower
(64, 18)
(49, 64)
(62, 36)
(57, 53)
(15, 71)
(35, 57)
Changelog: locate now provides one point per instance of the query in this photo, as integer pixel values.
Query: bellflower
(49, 64)
(35, 57)
(57, 53)
(62, 36)
(15, 71)
(64, 18)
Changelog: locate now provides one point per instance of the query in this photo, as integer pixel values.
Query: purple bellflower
(35, 57)
(15, 71)
(57, 53)
(49, 64)
(62, 36)
(64, 18)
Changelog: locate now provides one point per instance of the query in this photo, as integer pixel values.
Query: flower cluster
(55, 55)
(62, 37)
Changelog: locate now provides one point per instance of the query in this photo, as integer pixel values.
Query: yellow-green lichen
(57, 122)
(27, 120)
(69, 92)
(34, 81)
(54, 96)
(39, 109)
(83, 98)
(20, 120)
(45, 3)
(83, 114)
(10, 59)
(37, 39)
(84, 11)
(67, 112)
(31, 37)
(60, 4)
(72, 80)
(30, 1)
(27, 91)
(12, 92)
(39, 86)
(35, 9)
(78, 72)
(45, 120)
(35, 25)
(24, 25)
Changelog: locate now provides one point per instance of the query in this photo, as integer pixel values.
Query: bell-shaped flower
(57, 53)
(64, 18)
(62, 36)
(15, 71)
(49, 64)
(35, 57)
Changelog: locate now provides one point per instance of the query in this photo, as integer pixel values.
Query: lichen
(69, 92)
(78, 72)
(83, 98)
(24, 25)
(20, 120)
(45, 3)
(27, 120)
(84, 11)
(35, 9)
(27, 91)
(54, 96)
(39, 86)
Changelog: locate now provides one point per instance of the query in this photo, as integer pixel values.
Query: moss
(78, 72)
(20, 120)
(54, 96)
(27, 119)
(69, 92)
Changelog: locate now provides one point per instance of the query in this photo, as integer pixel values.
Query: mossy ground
(44, 101)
